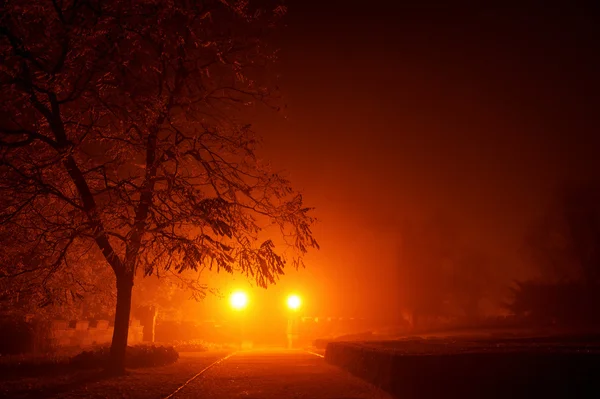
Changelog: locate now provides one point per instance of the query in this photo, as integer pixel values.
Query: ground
(249, 374)
(156, 382)
(272, 374)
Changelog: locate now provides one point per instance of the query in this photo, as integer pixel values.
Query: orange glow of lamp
(294, 302)
(238, 300)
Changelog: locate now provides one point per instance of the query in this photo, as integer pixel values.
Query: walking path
(276, 374)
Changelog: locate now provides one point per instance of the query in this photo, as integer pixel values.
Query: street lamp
(238, 300)
(293, 303)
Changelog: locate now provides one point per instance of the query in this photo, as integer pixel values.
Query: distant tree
(426, 257)
(118, 129)
(440, 273)
(564, 245)
(564, 303)
(165, 295)
(564, 242)
(471, 281)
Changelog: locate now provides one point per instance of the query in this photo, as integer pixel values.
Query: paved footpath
(277, 374)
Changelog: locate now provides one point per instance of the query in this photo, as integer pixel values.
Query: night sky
(413, 111)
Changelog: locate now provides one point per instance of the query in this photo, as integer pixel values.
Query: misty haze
(296, 199)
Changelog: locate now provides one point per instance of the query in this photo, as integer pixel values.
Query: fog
(396, 118)
(430, 144)
(438, 149)
(422, 132)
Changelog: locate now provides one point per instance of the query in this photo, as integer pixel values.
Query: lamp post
(239, 301)
(293, 303)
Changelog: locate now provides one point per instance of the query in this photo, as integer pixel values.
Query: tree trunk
(118, 347)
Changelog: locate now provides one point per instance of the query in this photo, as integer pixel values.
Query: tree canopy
(119, 134)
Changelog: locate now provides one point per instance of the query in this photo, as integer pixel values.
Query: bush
(454, 369)
(136, 356)
(198, 345)
(194, 345)
(321, 343)
(563, 303)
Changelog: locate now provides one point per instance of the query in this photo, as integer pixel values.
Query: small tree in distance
(442, 273)
(564, 245)
(117, 135)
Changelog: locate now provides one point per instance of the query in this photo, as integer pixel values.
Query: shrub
(194, 345)
(321, 343)
(462, 369)
(563, 303)
(199, 345)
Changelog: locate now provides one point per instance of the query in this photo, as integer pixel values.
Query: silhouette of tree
(471, 281)
(29, 285)
(441, 274)
(426, 257)
(118, 128)
(564, 245)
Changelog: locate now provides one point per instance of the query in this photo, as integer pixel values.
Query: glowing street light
(238, 300)
(294, 302)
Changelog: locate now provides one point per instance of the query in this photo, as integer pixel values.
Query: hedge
(488, 373)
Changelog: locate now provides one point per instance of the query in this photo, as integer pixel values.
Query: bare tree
(118, 129)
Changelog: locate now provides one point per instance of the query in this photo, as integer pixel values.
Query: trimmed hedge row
(136, 356)
(321, 343)
(495, 374)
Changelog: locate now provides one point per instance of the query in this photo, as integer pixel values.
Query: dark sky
(412, 111)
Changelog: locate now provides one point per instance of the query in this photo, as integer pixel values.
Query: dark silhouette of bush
(455, 368)
(565, 303)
